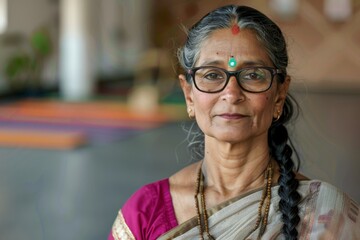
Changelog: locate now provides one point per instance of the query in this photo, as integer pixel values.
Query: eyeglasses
(213, 79)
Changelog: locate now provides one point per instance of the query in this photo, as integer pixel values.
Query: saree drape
(325, 212)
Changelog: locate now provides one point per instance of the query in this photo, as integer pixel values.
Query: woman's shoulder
(185, 176)
(327, 197)
(329, 212)
(149, 211)
(319, 186)
(324, 189)
(147, 195)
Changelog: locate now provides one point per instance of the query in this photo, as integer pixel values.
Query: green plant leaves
(41, 43)
(17, 65)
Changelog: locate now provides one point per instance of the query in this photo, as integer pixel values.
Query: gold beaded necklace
(263, 210)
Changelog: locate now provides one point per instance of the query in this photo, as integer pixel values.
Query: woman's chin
(231, 137)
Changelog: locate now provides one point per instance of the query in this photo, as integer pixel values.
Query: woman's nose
(233, 92)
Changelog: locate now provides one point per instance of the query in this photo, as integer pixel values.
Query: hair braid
(288, 205)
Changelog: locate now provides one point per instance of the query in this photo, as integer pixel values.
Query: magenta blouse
(149, 212)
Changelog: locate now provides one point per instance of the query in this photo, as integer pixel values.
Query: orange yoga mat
(41, 139)
(88, 110)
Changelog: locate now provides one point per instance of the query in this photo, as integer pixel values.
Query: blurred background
(90, 107)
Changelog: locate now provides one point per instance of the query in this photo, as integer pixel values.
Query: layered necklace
(263, 209)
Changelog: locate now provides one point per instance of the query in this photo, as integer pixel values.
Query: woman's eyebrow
(212, 63)
(253, 63)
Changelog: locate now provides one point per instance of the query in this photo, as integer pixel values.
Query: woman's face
(234, 115)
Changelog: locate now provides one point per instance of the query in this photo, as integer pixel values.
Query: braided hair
(271, 37)
(278, 140)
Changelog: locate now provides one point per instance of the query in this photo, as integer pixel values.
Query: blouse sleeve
(148, 213)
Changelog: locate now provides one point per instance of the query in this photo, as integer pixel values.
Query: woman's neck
(231, 169)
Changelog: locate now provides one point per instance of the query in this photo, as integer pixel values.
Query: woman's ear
(282, 92)
(187, 90)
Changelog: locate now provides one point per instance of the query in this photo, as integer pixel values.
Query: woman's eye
(254, 76)
(213, 76)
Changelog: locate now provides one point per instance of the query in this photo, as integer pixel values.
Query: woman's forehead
(222, 44)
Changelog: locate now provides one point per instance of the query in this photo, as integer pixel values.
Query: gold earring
(278, 115)
(190, 113)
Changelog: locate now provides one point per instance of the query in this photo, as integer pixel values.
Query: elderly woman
(245, 187)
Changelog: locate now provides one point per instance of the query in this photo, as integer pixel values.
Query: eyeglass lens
(212, 79)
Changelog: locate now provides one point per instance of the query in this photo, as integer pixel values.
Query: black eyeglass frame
(273, 71)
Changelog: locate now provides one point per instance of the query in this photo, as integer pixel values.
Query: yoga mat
(64, 125)
(41, 139)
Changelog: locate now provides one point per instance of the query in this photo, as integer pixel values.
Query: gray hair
(267, 32)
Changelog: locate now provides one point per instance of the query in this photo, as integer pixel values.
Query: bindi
(235, 29)
(232, 62)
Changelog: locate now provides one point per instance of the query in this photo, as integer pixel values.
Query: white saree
(325, 213)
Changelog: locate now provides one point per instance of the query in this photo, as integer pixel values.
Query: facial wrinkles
(267, 100)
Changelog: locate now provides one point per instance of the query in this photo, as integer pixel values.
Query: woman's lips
(231, 116)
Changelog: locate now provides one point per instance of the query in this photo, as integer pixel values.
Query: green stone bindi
(232, 62)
